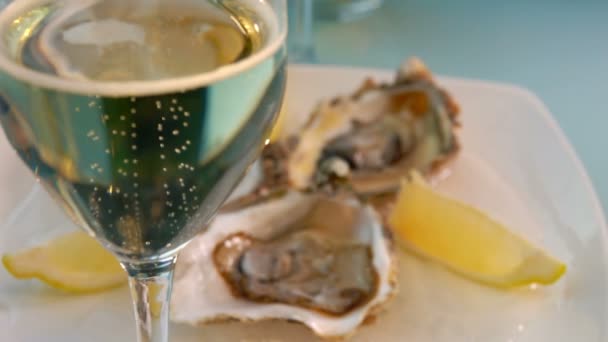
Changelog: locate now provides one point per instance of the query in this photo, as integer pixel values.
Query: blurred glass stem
(301, 36)
(345, 10)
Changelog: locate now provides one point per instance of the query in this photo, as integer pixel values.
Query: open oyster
(366, 141)
(374, 137)
(324, 262)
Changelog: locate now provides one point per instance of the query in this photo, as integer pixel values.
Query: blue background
(557, 49)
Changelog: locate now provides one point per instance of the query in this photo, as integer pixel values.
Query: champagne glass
(139, 117)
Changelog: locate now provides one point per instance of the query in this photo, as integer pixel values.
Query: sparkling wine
(174, 99)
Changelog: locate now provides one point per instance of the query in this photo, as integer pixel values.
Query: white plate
(516, 164)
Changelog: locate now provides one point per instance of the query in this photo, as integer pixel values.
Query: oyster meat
(325, 262)
(304, 268)
(369, 140)
(375, 136)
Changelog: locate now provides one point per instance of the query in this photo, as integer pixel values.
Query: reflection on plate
(516, 165)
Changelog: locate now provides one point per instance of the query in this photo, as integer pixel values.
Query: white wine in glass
(140, 117)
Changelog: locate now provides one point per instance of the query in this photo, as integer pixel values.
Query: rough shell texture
(373, 137)
(201, 295)
(365, 142)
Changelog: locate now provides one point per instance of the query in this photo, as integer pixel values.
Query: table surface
(557, 49)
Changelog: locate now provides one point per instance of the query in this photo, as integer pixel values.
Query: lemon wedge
(74, 263)
(467, 241)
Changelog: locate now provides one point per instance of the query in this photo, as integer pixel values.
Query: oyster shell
(365, 142)
(324, 262)
(374, 137)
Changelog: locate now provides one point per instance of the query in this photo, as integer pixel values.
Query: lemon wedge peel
(467, 241)
(74, 263)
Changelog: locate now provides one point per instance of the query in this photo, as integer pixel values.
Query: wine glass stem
(151, 291)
